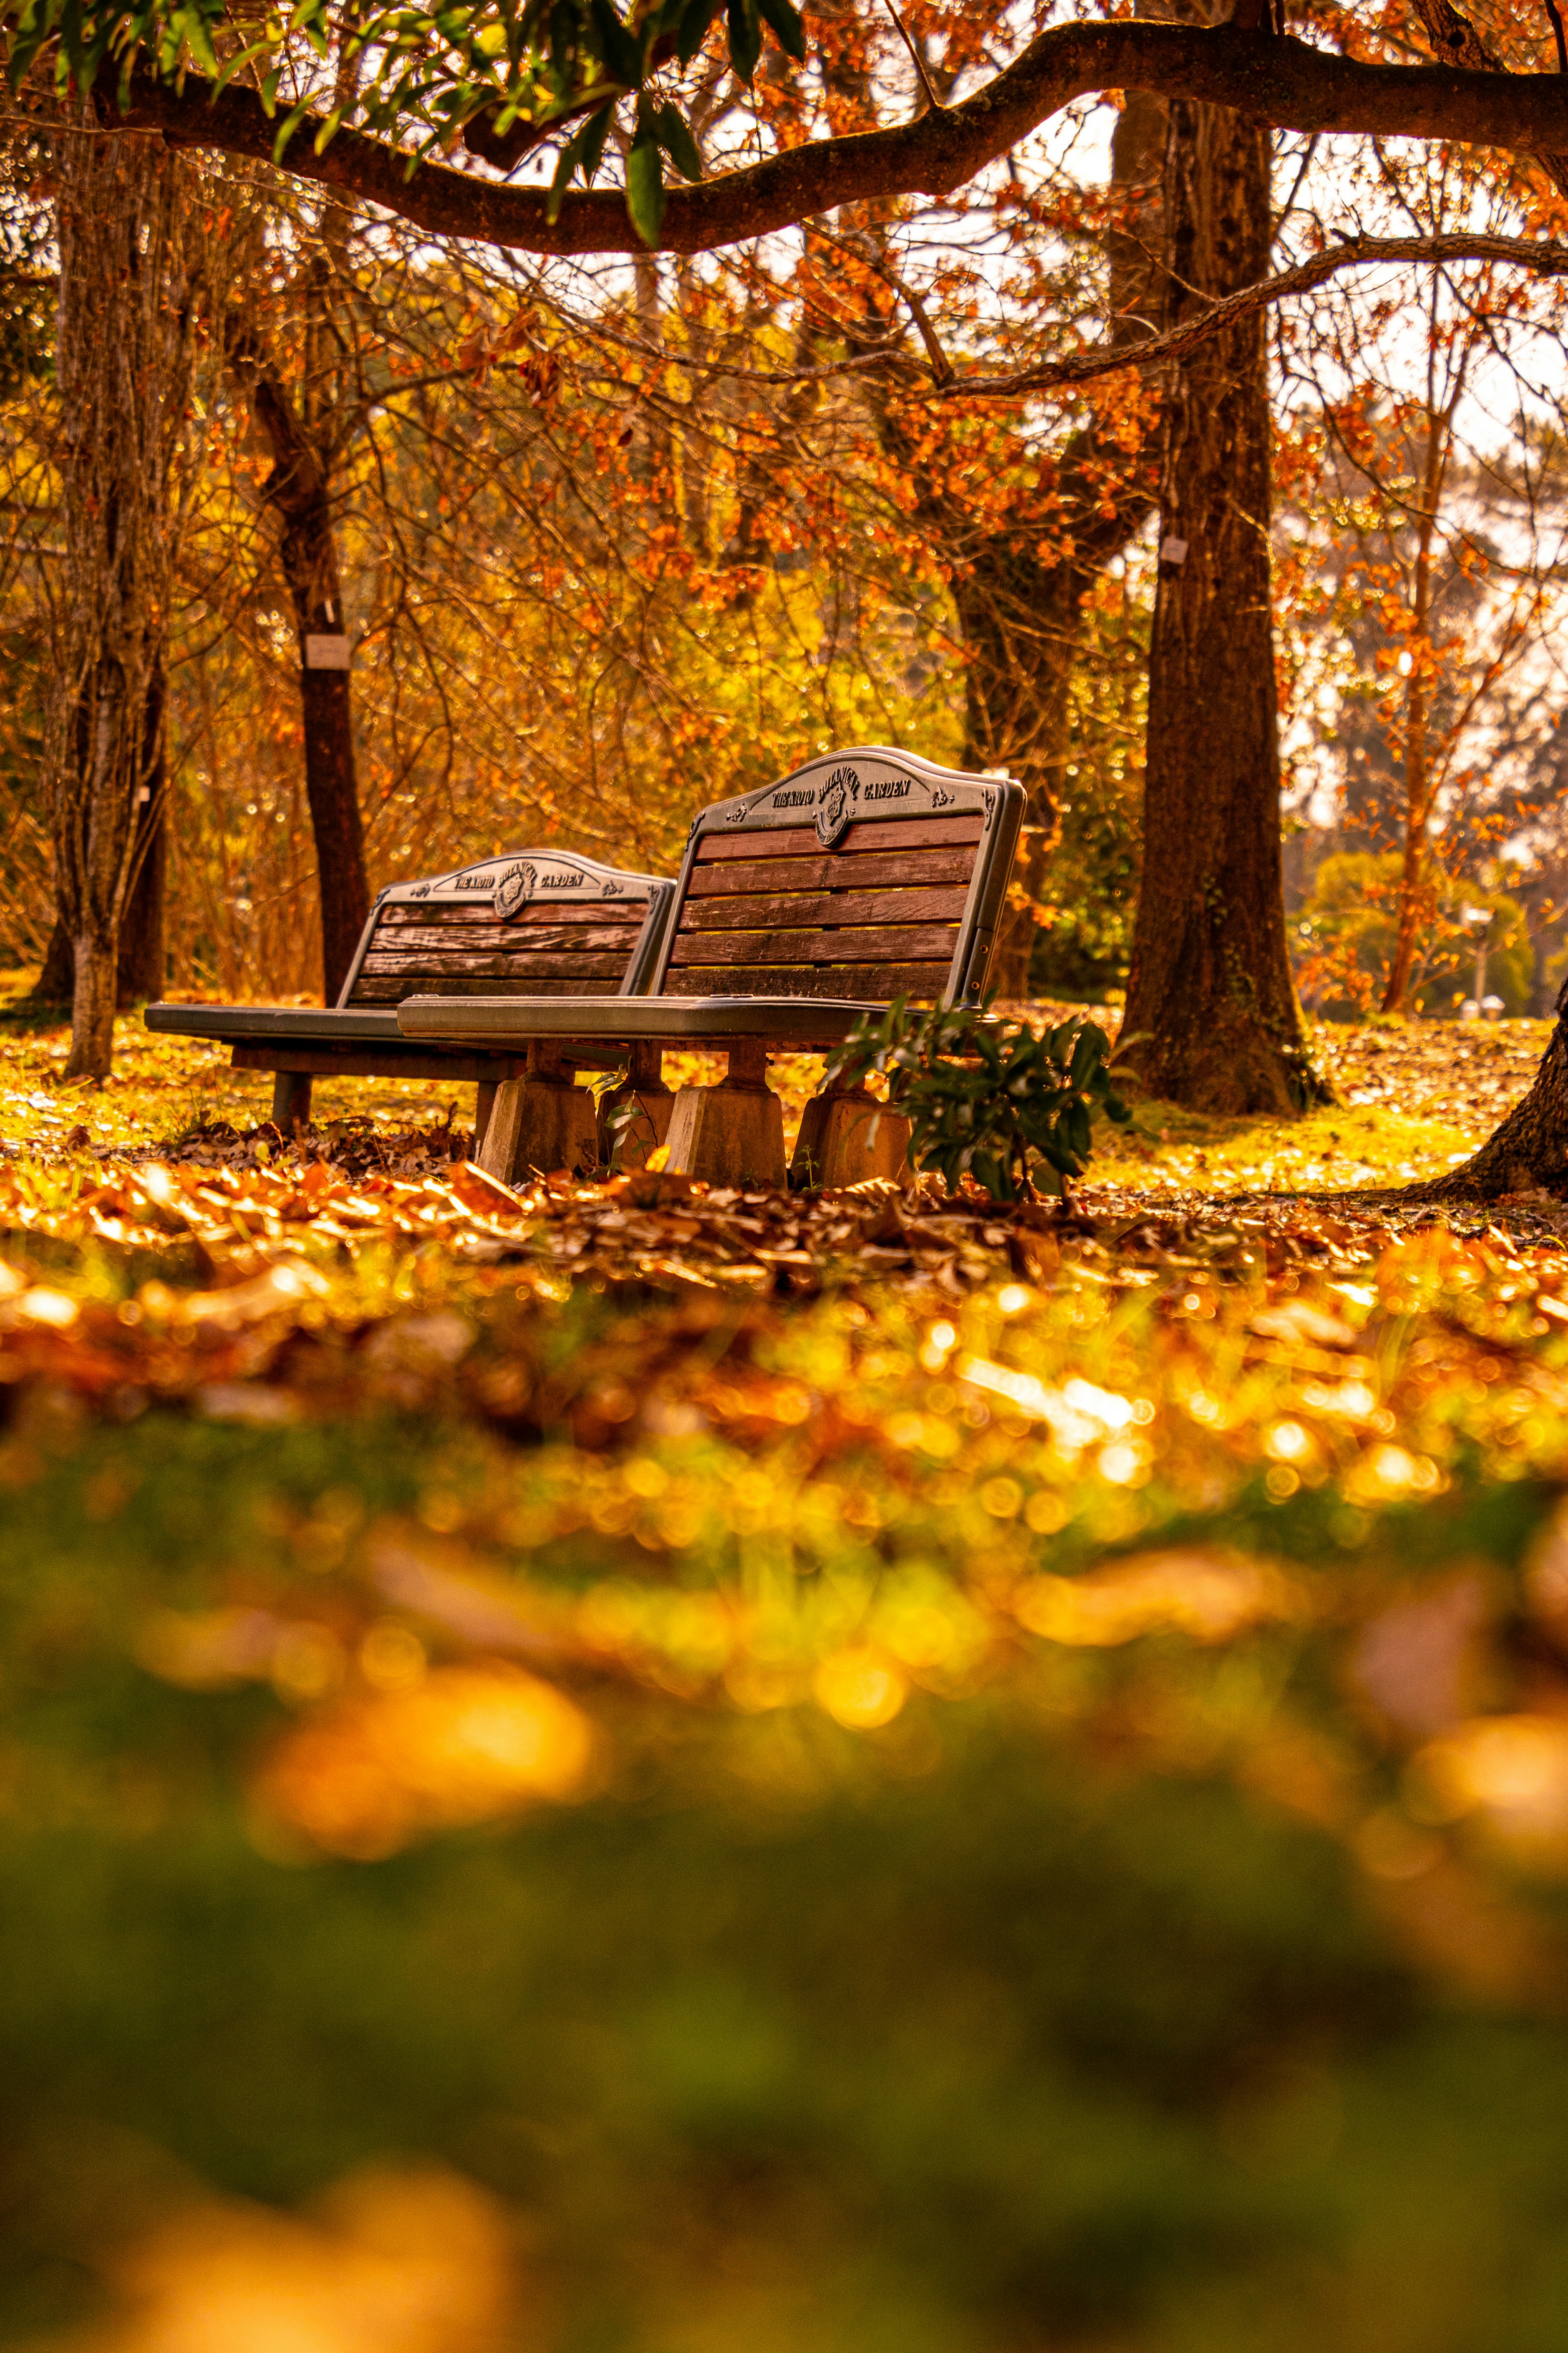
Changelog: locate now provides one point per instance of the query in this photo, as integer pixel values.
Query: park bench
(539, 922)
(865, 876)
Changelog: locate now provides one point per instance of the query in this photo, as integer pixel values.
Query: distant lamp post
(1476, 920)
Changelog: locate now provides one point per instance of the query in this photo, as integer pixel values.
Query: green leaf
(582, 152)
(745, 37)
(565, 163)
(696, 18)
(674, 135)
(226, 73)
(622, 55)
(590, 142)
(1087, 1053)
(290, 125)
(645, 187)
(563, 29)
(788, 29)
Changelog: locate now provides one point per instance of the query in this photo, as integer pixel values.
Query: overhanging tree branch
(1544, 257)
(1282, 82)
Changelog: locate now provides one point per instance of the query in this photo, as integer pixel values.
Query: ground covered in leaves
(1186, 1576)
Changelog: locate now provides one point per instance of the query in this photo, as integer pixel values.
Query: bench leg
(732, 1133)
(542, 1121)
(484, 1104)
(846, 1137)
(291, 1100)
(627, 1147)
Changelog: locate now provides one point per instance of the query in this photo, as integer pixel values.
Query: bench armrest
(270, 1024)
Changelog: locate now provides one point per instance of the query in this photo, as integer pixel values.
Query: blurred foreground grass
(618, 1772)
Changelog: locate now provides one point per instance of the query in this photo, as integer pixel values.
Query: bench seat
(540, 922)
(865, 876)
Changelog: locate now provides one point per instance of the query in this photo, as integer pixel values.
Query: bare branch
(916, 60)
(1543, 257)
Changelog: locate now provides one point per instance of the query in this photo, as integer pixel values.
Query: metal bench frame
(734, 1130)
(301, 1043)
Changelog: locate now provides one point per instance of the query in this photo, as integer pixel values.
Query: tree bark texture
(1210, 993)
(299, 489)
(139, 966)
(1529, 1153)
(124, 345)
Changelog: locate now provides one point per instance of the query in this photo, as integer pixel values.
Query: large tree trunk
(1529, 1152)
(298, 488)
(123, 358)
(142, 932)
(138, 967)
(1210, 993)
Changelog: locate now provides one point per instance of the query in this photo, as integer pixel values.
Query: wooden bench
(535, 923)
(865, 876)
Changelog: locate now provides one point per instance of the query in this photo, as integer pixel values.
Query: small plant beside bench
(996, 1100)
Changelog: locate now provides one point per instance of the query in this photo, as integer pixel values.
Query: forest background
(637, 1769)
(616, 538)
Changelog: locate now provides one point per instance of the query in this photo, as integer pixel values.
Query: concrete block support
(541, 1122)
(846, 1137)
(732, 1133)
(484, 1103)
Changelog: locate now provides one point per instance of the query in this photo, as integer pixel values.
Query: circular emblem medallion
(514, 889)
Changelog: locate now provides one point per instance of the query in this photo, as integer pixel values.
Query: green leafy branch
(986, 1097)
(501, 76)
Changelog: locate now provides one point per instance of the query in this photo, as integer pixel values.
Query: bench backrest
(865, 874)
(535, 923)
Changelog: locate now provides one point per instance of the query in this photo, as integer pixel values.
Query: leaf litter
(738, 1453)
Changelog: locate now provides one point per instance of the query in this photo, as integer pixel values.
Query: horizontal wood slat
(800, 840)
(837, 907)
(503, 940)
(830, 872)
(572, 981)
(867, 944)
(878, 982)
(479, 910)
(520, 969)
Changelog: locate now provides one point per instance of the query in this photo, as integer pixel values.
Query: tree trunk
(141, 973)
(55, 979)
(1529, 1152)
(1210, 993)
(123, 357)
(299, 489)
(140, 965)
(331, 788)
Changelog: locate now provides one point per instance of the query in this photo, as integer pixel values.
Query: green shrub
(988, 1099)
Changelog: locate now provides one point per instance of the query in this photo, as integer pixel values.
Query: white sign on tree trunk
(326, 653)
